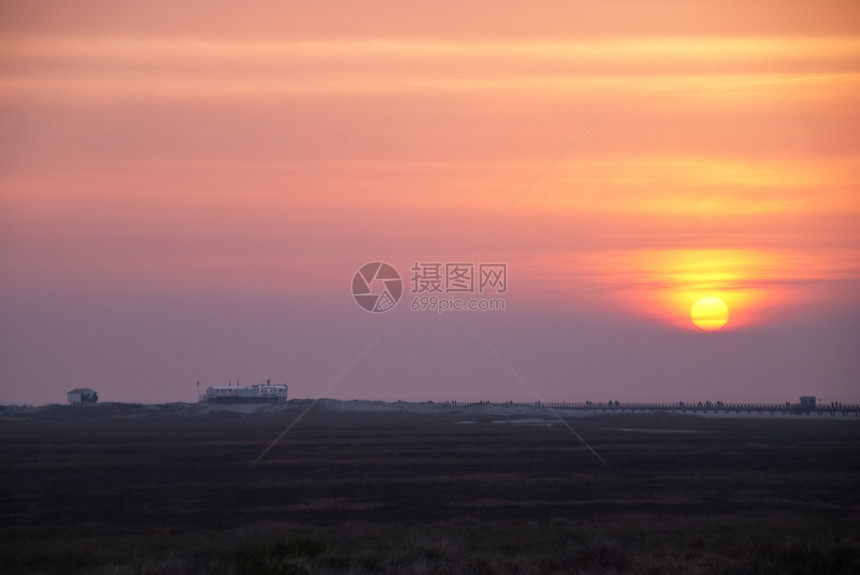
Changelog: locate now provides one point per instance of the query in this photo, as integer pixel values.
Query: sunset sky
(188, 188)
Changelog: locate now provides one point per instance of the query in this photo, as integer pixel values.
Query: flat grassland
(406, 488)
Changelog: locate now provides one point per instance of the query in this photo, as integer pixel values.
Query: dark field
(134, 489)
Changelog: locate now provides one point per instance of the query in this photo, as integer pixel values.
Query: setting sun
(709, 313)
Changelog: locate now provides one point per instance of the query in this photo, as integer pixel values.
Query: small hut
(82, 395)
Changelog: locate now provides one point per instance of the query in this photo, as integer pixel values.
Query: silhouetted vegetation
(129, 490)
(282, 558)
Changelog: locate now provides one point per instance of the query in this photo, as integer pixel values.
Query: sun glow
(667, 284)
(709, 313)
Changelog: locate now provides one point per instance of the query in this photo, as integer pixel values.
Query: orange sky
(133, 158)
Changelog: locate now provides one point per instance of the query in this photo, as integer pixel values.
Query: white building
(81, 395)
(263, 393)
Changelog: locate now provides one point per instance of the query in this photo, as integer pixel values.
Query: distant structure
(262, 393)
(807, 402)
(807, 405)
(82, 395)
